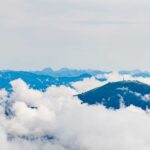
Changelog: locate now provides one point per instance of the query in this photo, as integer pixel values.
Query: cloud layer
(71, 125)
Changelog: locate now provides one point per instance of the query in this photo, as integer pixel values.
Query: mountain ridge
(111, 95)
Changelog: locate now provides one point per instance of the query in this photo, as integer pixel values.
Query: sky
(98, 34)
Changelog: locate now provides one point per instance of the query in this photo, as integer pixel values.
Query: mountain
(136, 73)
(66, 72)
(119, 94)
(35, 81)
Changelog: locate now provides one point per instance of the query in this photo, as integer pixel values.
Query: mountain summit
(119, 94)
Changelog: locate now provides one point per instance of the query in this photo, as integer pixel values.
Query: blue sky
(102, 34)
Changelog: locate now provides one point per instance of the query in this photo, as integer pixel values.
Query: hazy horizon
(59, 68)
(106, 35)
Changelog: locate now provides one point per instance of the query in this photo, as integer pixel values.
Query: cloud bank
(87, 84)
(90, 83)
(70, 125)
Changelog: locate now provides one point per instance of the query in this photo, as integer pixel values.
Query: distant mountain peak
(67, 72)
(47, 69)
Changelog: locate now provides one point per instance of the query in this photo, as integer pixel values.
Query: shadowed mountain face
(35, 81)
(118, 94)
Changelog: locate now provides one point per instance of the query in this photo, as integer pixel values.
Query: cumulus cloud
(115, 76)
(57, 113)
(91, 83)
(87, 84)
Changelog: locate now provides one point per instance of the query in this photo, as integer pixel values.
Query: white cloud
(146, 97)
(72, 124)
(87, 84)
(115, 76)
(91, 83)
